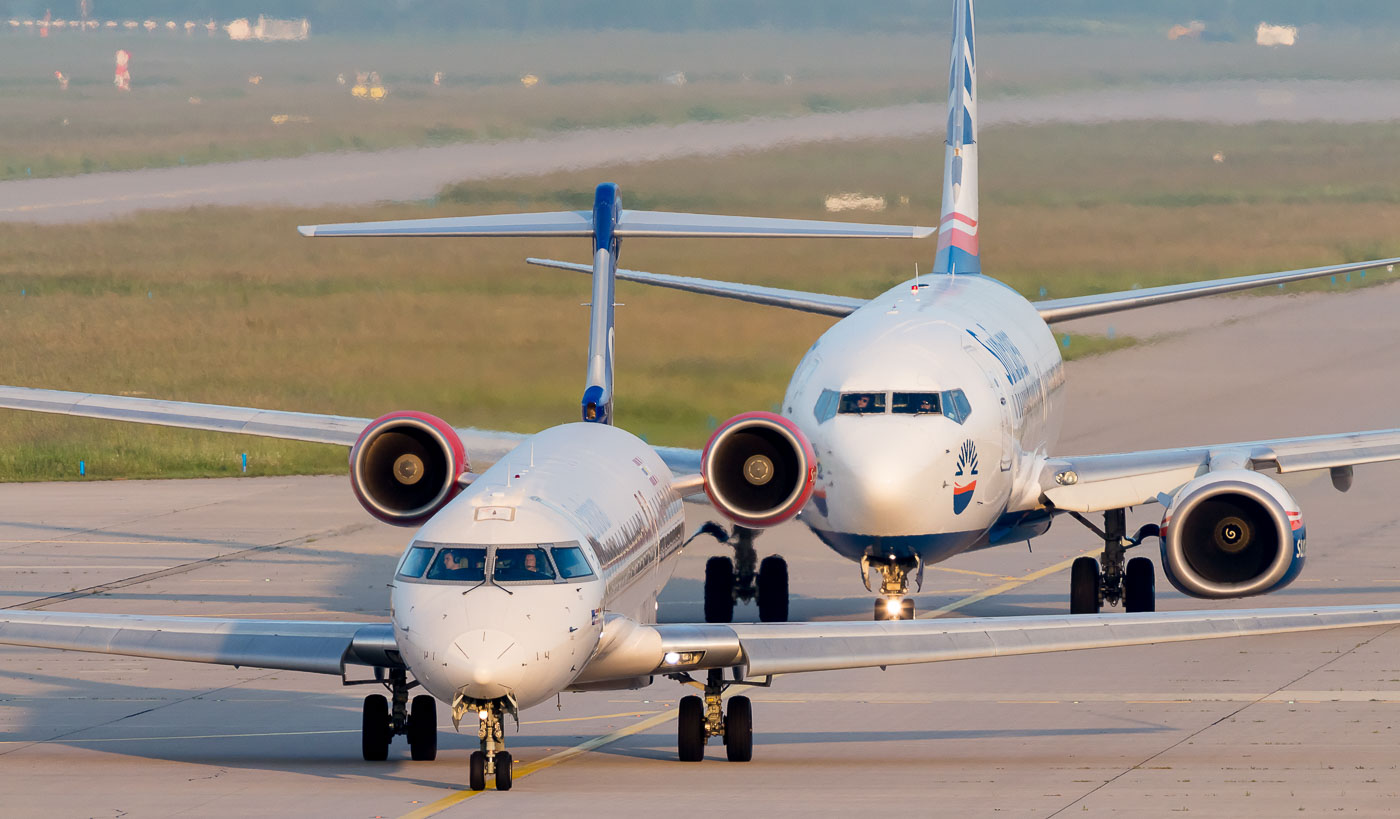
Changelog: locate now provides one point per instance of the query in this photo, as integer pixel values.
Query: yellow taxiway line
(548, 762)
(1009, 585)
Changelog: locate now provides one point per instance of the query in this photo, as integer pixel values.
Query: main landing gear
(728, 581)
(700, 718)
(493, 759)
(1133, 583)
(894, 584)
(384, 718)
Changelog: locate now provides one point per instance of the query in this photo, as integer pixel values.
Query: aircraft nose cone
(485, 664)
(879, 489)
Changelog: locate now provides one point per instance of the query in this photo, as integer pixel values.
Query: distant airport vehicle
(541, 575)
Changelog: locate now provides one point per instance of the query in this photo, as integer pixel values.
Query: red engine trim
(790, 508)
(442, 430)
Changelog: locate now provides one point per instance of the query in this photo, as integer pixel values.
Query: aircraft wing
(484, 447)
(759, 648)
(630, 223)
(316, 647)
(755, 294)
(1054, 310)
(1092, 483)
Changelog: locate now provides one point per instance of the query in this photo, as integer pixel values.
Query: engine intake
(759, 469)
(1234, 533)
(405, 467)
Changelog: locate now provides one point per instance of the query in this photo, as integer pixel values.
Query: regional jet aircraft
(541, 574)
(920, 426)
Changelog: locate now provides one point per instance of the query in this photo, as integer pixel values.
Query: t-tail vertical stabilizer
(597, 393)
(957, 226)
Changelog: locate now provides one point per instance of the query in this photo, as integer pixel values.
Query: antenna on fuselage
(597, 392)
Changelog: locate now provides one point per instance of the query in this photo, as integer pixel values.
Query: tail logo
(967, 470)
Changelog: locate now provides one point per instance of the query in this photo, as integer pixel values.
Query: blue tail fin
(598, 392)
(957, 226)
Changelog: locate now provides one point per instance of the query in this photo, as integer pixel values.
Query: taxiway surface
(1256, 727)
(419, 173)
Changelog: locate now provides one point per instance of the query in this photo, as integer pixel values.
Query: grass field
(607, 78)
(232, 306)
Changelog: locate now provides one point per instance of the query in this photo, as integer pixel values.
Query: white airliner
(919, 427)
(922, 425)
(541, 574)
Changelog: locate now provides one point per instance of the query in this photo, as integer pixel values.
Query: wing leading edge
(758, 648)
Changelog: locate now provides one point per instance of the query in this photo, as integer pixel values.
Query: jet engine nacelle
(759, 469)
(405, 467)
(1233, 533)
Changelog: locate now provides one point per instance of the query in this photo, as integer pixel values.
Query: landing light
(483, 715)
(893, 605)
(677, 659)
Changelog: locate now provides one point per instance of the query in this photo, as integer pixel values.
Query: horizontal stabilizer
(630, 223)
(802, 301)
(1097, 304)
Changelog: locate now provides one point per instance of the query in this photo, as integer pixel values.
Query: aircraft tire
(906, 609)
(719, 590)
(1084, 586)
(374, 729)
(422, 729)
(505, 772)
(738, 730)
(690, 729)
(881, 613)
(773, 590)
(476, 771)
(1140, 586)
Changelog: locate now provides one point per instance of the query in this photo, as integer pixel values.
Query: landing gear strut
(742, 578)
(700, 718)
(894, 584)
(493, 759)
(1131, 582)
(384, 718)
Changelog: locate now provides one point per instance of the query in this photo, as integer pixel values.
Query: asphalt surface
(419, 173)
(1250, 727)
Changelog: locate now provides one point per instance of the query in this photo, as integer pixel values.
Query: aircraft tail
(957, 226)
(598, 391)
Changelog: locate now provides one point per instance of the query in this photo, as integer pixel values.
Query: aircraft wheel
(881, 613)
(1140, 585)
(505, 773)
(906, 609)
(1084, 586)
(719, 590)
(738, 730)
(773, 590)
(476, 776)
(374, 729)
(690, 729)
(422, 729)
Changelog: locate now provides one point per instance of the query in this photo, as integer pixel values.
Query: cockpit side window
(825, 409)
(916, 403)
(522, 564)
(956, 406)
(862, 403)
(415, 561)
(571, 562)
(465, 565)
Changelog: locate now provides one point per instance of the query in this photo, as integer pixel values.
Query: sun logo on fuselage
(967, 470)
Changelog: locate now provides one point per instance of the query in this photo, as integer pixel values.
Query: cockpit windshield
(861, 403)
(525, 563)
(522, 564)
(915, 403)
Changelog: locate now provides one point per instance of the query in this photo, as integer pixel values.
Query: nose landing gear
(384, 718)
(731, 580)
(493, 759)
(894, 584)
(1131, 582)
